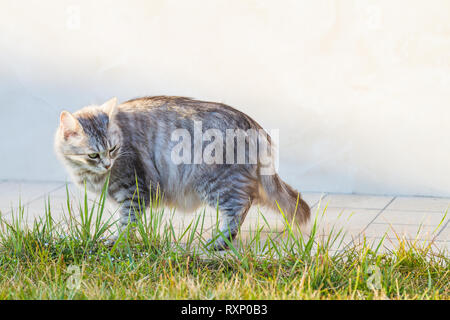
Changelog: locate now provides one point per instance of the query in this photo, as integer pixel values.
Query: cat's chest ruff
(93, 183)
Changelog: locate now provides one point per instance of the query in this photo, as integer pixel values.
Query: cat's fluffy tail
(274, 190)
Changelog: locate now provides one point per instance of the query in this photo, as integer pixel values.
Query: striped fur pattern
(132, 141)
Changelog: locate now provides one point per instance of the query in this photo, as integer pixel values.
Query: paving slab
(350, 220)
(13, 193)
(428, 218)
(420, 204)
(313, 198)
(357, 201)
(402, 231)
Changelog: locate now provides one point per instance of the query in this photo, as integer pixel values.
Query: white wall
(359, 89)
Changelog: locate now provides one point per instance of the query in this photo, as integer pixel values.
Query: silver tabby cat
(132, 142)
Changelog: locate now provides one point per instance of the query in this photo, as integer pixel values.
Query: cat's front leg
(127, 213)
(127, 216)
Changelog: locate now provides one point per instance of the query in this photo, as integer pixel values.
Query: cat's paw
(218, 244)
(111, 241)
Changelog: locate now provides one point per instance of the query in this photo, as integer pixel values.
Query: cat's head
(89, 139)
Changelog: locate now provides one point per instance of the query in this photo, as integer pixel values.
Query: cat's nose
(106, 164)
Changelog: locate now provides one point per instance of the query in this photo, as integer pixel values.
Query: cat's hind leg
(232, 213)
(230, 222)
(232, 193)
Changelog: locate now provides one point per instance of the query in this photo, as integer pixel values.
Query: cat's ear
(69, 124)
(110, 107)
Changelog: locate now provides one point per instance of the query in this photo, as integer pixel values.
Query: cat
(133, 143)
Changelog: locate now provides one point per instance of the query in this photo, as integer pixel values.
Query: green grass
(68, 260)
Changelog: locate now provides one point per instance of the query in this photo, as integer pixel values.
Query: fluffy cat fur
(132, 141)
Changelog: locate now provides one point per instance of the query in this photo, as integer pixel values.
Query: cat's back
(176, 109)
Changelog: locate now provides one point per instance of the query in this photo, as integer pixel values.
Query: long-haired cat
(134, 144)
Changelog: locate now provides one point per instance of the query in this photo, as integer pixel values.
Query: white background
(360, 90)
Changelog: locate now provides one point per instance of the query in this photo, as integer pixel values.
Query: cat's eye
(93, 155)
